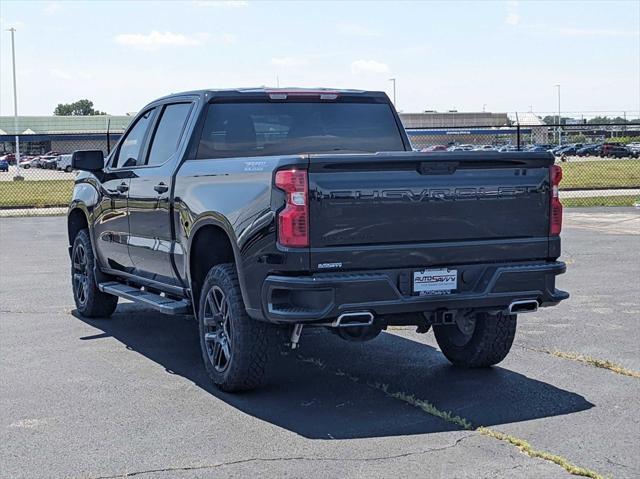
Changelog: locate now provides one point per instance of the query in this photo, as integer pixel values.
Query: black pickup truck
(260, 211)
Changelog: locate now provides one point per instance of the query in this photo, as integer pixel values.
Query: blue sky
(445, 55)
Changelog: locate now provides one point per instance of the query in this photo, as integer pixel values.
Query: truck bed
(404, 209)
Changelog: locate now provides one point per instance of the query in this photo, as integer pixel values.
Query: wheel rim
(80, 273)
(217, 324)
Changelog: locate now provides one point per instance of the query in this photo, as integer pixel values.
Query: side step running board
(157, 302)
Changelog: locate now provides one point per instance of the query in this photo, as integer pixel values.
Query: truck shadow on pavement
(323, 390)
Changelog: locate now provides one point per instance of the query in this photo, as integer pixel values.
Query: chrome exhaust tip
(354, 319)
(524, 306)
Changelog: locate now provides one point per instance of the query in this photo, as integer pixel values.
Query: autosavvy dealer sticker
(435, 281)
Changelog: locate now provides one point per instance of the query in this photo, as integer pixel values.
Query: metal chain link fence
(601, 162)
(44, 177)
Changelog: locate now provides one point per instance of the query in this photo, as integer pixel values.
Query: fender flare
(217, 220)
(85, 198)
(77, 205)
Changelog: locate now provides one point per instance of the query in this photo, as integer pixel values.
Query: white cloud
(221, 3)
(369, 66)
(512, 18)
(356, 30)
(155, 40)
(70, 74)
(52, 7)
(289, 61)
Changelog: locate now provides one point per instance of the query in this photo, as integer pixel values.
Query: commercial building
(446, 128)
(39, 134)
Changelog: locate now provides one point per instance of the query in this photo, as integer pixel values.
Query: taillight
(293, 220)
(555, 215)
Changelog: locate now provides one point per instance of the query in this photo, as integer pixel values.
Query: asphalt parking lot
(129, 397)
(36, 174)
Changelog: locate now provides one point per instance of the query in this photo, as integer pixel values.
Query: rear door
(150, 230)
(420, 209)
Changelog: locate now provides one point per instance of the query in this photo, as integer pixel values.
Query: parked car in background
(536, 148)
(10, 158)
(569, 147)
(568, 150)
(435, 148)
(634, 147)
(589, 150)
(461, 148)
(611, 150)
(48, 162)
(553, 150)
(29, 162)
(64, 163)
(4, 165)
(51, 153)
(565, 150)
(485, 148)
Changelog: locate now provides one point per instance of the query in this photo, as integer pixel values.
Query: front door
(111, 226)
(151, 242)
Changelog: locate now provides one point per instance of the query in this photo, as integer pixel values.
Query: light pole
(15, 104)
(559, 119)
(394, 91)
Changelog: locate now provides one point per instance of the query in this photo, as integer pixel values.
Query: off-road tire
(489, 343)
(252, 344)
(90, 302)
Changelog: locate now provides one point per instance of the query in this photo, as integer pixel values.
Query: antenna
(108, 139)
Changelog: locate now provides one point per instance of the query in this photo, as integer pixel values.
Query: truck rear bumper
(319, 297)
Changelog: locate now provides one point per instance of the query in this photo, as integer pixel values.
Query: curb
(21, 212)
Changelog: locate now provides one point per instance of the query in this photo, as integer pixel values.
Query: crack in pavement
(616, 463)
(292, 458)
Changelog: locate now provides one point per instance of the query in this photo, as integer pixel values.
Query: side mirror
(88, 160)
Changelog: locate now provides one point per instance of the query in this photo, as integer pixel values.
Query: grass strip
(600, 174)
(37, 194)
(618, 200)
(526, 448)
(595, 362)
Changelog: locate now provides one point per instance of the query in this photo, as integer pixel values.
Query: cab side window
(166, 138)
(131, 148)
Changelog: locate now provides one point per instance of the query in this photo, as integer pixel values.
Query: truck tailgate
(406, 209)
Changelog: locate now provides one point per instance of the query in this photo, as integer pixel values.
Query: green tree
(609, 121)
(77, 108)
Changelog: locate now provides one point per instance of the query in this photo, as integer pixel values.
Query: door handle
(161, 188)
(122, 187)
